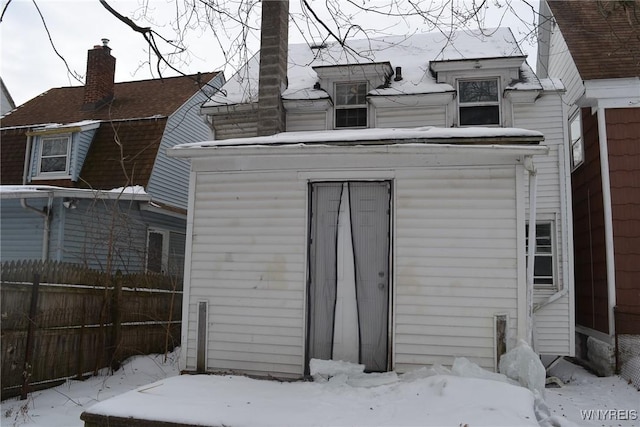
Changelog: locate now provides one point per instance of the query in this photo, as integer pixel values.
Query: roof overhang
(164, 209)
(46, 191)
(228, 108)
(56, 129)
(611, 93)
(476, 63)
(520, 141)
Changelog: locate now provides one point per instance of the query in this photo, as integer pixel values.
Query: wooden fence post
(116, 318)
(28, 352)
(80, 357)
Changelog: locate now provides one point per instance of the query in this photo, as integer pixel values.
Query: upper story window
(575, 136)
(351, 105)
(54, 155)
(478, 102)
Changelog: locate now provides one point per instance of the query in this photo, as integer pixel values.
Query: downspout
(608, 217)
(533, 185)
(46, 215)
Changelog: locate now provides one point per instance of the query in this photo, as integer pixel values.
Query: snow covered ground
(593, 401)
(426, 397)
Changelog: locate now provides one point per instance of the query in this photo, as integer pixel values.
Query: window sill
(50, 177)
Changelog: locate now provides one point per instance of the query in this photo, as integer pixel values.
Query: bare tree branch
(44, 23)
(4, 9)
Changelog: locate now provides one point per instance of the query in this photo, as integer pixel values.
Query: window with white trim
(575, 136)
(350, 102)
(543, 267)
(54, 155)
(478, 102)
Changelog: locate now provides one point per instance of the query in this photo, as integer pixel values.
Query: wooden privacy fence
(66, 321)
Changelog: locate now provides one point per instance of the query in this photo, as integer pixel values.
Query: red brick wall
(101, 68)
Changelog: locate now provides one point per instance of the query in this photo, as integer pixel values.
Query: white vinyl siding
(556, 320)
(248, 263)
(396, 117)
(457, 253)
(237, 124)
(384, 117)
(562, 66)
(306, 121)
(456, 263)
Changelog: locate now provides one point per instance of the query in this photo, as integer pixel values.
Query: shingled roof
(144, 98)
(138, 114)
(603, 36)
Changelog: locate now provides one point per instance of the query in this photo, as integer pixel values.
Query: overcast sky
(29, 65)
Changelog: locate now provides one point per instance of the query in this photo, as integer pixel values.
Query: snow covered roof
(39, 191)
(413, 53)
(372, 136)
(425, 139)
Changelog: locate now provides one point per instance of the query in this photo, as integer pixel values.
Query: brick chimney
(274, 45)
(101, 69)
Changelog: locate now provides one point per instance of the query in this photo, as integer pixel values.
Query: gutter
(46, 215)
(533, 186)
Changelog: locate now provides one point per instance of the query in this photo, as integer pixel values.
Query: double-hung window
(478, 102)
(351, 105)
(54, 155)
(543, 270)
(575, 135)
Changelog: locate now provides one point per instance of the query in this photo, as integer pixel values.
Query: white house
(386, 220)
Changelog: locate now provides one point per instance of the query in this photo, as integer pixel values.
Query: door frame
(390, 179)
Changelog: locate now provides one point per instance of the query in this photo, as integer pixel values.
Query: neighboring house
(594, 48)
(344, 236)
(84, 171)
(6, 101)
